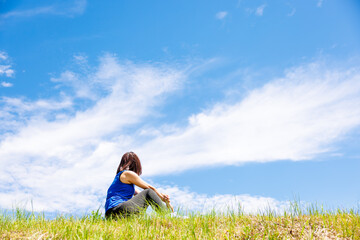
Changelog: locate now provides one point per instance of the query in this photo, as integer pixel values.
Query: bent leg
(139, 203)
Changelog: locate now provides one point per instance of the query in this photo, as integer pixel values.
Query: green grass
(314, 223)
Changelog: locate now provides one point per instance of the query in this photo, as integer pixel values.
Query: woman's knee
(148, 191)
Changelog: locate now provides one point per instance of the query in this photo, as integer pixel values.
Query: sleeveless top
(118, 192)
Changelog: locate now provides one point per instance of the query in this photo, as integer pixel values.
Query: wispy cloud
(221, 15)
(88, 142)
(6, 84)
(78, 7)
(5, 69)
(71, 9)
(222, 203)
(21, 106)
(260, 10)
(29, 12)
(319, 3)
(3, 56)
(295, 117)
(16, 113)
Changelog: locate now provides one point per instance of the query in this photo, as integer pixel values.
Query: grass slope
(313, 224)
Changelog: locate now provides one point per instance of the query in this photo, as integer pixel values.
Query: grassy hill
(313, 224)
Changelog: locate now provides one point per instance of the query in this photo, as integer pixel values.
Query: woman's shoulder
(127, 176)
(129, 173)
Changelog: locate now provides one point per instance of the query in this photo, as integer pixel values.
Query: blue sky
(244, 101)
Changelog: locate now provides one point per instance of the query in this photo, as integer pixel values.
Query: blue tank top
(118, 192)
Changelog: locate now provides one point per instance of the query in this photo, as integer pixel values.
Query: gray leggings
(137, 204)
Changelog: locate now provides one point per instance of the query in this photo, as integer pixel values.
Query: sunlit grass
(296, 223)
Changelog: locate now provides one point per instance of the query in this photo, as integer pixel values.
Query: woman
(120, 200)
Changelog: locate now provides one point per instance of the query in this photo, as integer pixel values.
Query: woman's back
(118, 192)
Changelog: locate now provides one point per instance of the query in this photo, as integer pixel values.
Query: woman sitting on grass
(120, 200)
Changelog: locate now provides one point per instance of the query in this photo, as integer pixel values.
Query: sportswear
(118, 192)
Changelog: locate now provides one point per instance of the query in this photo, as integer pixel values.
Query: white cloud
(67, 8)
(293, 118)
(29, 12)
(65, 159)
(21, 106)
(221, 15)
(6, 70)
(15, 113)
(81, 59)
(3, 56)
(260, 10)
(6, 84)
(67, 162)
(5, 66)
(187, 201)
(319, 3)
(78, 7)
(82, 87)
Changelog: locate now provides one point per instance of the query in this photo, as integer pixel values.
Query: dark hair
(130, 161)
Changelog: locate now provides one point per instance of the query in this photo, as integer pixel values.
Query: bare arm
(131, 177)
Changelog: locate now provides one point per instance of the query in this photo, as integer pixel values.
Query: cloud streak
(6, 84)
(63, 157)
(221, 15)
(295, 118)
(5, 66)
(260, 10)
(5, 69)
(187, 201)
(77, 7)
(319, 3)
(71, 158)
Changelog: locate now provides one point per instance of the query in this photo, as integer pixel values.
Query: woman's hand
(165, 197)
